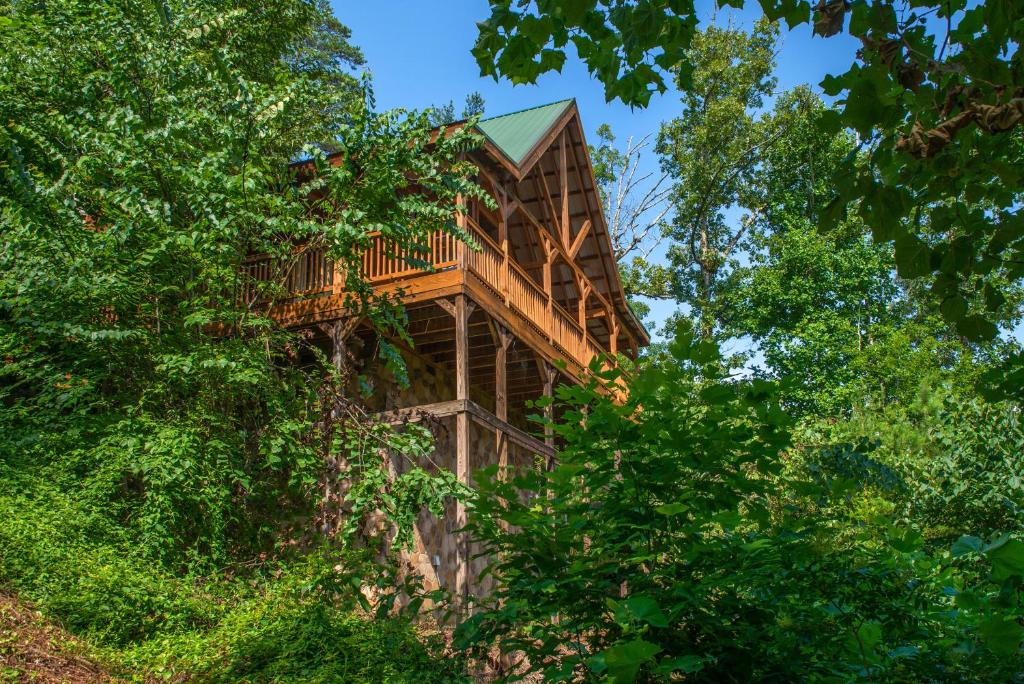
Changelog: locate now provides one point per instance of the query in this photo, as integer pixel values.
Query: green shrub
(75, 567)
(282, 638)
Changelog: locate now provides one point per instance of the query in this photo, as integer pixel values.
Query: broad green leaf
(1002, 634)
(625, 660)
(1007, 559)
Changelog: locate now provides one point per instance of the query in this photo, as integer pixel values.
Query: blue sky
(419, 55)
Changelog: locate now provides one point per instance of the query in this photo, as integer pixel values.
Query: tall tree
(635, 205)
(445, 114)
(827, 310)
(474, 105)
(711, 151)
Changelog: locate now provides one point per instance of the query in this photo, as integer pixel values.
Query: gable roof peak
(515, 134)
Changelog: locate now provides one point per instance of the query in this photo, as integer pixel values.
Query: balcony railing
(309, 273)
(520, 292)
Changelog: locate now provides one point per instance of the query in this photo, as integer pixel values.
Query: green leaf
(913, 257)
(953, 308)
(625, 660)
(1007, 559)
(866, 638)
(672, 508)
(687, 663)
(976, 328)
(1002, 634)
(966, 544)
(646, 609)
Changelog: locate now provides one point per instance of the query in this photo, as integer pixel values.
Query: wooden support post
(461, 309)
(584, 289)
(461, 440)
(549, 375)
(501, 393)
(613, 340)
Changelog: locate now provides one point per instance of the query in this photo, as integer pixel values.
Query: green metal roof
(517, 133)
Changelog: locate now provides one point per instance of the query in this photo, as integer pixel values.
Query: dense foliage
(847, 506)
(934, 92)
(138, 361)
(673, 540)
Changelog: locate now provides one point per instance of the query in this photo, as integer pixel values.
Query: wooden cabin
(492, 328)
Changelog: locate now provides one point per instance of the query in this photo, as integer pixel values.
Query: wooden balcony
(482, 271)
(520, 293)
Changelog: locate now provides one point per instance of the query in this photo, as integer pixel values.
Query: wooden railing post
(460, 221)
(503, 240)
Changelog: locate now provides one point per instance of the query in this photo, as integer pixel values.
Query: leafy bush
(78, 567)
(670, 541)
(972, 483)
(286, 638)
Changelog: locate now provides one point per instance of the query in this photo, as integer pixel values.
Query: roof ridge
(528, 109)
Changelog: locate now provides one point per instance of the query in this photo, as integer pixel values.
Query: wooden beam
(552, 216)
(452, 308)
(577, 242)
(339, 331)
(565, 255)
(445, 409)
(581, 305)
(613, 339)
(461, 443)
(501, 393)
(564, 188)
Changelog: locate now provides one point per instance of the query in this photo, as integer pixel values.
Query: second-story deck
(484, 271)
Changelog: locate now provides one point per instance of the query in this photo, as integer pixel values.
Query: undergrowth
(267, 625)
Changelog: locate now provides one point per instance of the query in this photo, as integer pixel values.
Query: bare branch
(634, 205)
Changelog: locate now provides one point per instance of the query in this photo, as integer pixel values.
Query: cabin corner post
(501, 392)
(462, 311)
